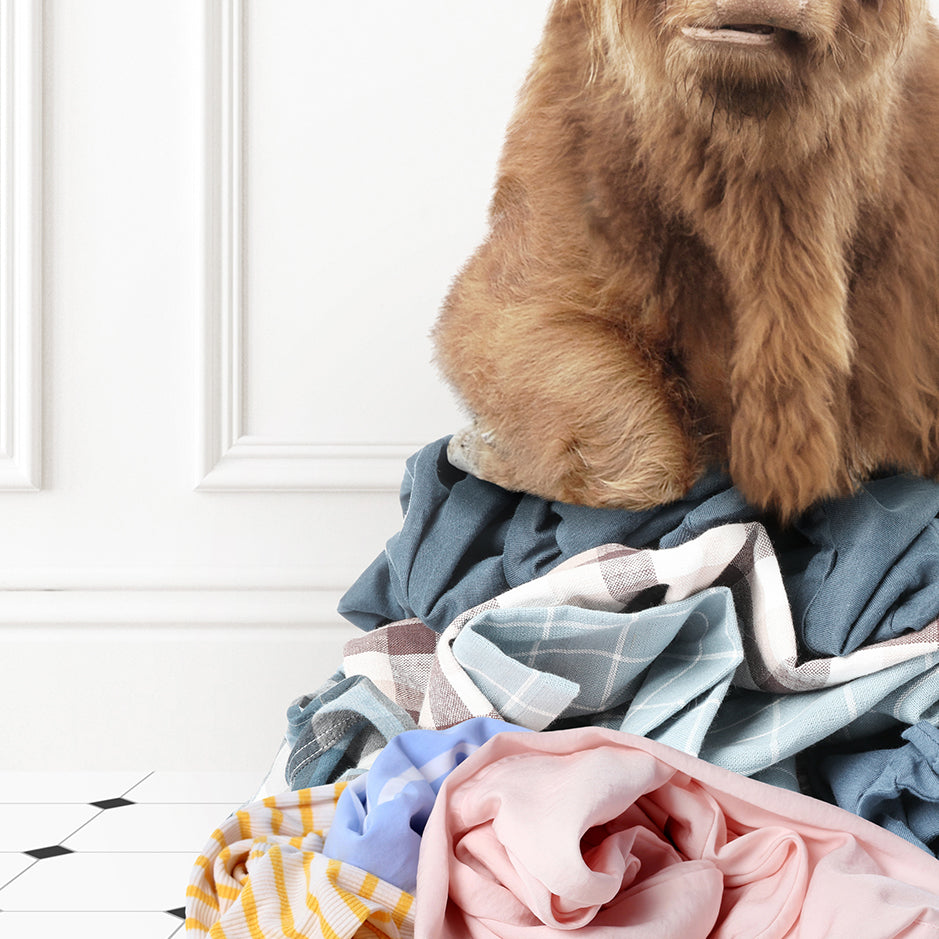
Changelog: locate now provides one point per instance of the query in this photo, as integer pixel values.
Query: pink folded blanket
(613, 835)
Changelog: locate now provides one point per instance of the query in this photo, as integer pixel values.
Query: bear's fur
(709, 245)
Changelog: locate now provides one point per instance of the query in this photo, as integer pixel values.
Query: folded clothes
(577, 647)
(381, 815)
(857, 570)
(263, 873)
(538, 835)
(897, 789)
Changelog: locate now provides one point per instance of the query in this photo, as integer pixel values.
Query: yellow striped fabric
(263, 876)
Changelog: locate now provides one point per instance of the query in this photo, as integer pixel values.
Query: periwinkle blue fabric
(857, 570)
(897, 789)
(381, 815)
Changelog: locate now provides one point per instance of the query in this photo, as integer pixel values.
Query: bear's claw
(466, 448)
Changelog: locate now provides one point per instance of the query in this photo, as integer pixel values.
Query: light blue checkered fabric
(662, 669)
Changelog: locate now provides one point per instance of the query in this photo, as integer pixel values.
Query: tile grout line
(81, 911)
(184, 802)
(23, 871)
(139, 782)
(62, 844)
(228, 805)
(83, 851)
(99, 813)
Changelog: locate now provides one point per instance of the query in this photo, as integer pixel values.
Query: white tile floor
(114, 870)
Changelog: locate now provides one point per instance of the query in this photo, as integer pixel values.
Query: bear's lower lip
(742, 34)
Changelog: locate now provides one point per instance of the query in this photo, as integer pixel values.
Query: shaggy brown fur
(709, 245)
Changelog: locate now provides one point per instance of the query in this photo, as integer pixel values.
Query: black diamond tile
(54, 850)
(180, 911)
(111, 803)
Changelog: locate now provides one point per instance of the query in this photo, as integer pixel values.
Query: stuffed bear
(714, 241)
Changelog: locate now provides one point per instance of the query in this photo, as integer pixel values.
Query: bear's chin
(737, 81)
(744, 100)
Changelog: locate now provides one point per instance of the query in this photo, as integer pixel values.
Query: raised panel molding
(230, 460)
(20, 243)
(92, 597)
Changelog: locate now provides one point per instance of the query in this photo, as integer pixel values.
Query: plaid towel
(263, 874)
(693, 646)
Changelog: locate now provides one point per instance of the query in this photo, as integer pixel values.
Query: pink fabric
(609, 834)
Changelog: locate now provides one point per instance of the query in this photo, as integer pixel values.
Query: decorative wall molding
(256, 463)
(20, 243)
(226, 609)
(154, 597)
(228, 458)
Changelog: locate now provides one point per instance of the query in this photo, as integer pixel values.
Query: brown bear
(714, 240)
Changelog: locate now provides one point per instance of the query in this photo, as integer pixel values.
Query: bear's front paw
(623, 474)
(475, 450)
(468, 447)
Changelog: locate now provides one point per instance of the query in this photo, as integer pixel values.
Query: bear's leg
(570, 408)
(790, 435)
(787, 278)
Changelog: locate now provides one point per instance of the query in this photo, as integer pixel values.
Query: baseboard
(172, 696)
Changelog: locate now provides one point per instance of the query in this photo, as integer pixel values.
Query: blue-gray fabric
(859, 569)
(464, 541)
(873, 560)
(897, 789)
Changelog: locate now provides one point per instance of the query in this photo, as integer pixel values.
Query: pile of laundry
(728, 712)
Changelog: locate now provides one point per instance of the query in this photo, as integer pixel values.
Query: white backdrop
(251, 210)
(213, 344)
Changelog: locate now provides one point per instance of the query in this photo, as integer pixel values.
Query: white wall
(251, 210)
